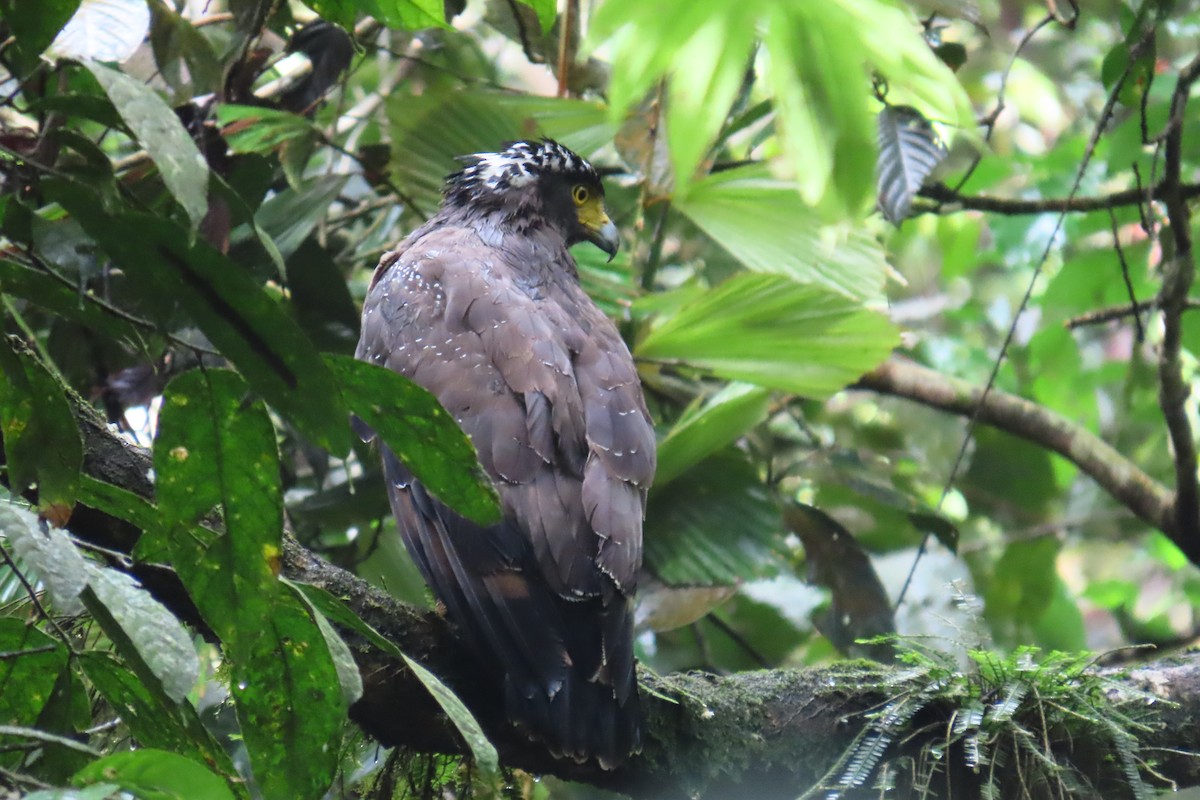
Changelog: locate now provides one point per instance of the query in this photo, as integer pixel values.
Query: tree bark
(769, 733)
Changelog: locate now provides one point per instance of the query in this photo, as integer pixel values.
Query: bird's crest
(517, 165)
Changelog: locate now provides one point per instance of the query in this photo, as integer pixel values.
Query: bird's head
(541, 177)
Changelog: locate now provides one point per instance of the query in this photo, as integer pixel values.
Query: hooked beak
(606, 237)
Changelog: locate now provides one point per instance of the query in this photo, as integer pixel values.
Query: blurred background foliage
(195, 195)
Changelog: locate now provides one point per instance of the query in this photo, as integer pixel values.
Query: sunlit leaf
(763, 223)
(706, 428)
(103, 30)
(773, 332)
(147, 630)
(156, 775)
(546, 11)
(179, 161)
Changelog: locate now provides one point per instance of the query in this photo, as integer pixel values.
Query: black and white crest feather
(516, 166)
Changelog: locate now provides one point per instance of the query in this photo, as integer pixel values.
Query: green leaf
(52, 556)
(31, 665)
(717, 527)
(773, 332)
(546, 10)
(249, 328)
(289, 702)
(216, 448)
(484, 753)
(102, 30)
(254, 129)
(151, 774)
(41, 440)
(343, 659)
(409, 14)
(177, 43)
(183, 168)
(704, 429)
(421, 433)
(153, 719)
(56, 296)
(291, 215)
(146, 634)
(33, 27)
(122, 504)
(763, 223)
(430, 130)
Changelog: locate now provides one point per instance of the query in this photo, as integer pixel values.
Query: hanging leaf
(179, 161)
(909, 150)
(773, 332)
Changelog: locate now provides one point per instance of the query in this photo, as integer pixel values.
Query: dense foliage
(907, 285)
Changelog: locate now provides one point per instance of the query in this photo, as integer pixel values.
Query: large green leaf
(179, 161)
(60, 298)
(250, 328)
(763, 223)
(718, 527)
(706, 428)
(421, 433)
(155, 775)
(773, 332)
(215, 448)
(289, 702)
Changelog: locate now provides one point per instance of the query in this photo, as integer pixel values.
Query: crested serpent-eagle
(482, 306)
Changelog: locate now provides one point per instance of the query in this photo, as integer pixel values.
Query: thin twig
(1133, 301)
(1110, 313)
(944, 195)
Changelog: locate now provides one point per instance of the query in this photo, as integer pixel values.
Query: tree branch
(1117, 475)
(762, 734)
(1178, 274)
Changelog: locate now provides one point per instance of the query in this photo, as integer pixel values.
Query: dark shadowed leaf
(321, 299)
(41, 440)
(177, 44)
(156, 775)
(250, 328)
(56, 296)
(34, 26)
(183, 168)
(290, 216)
(717, 527)
(421, 433)
(860, 607)
(153, 719)
(771, 331)
(29, 670)
(909, 150)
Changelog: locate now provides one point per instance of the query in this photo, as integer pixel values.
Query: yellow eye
(580, 194)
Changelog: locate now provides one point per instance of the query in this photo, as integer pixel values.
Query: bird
(482, 306)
